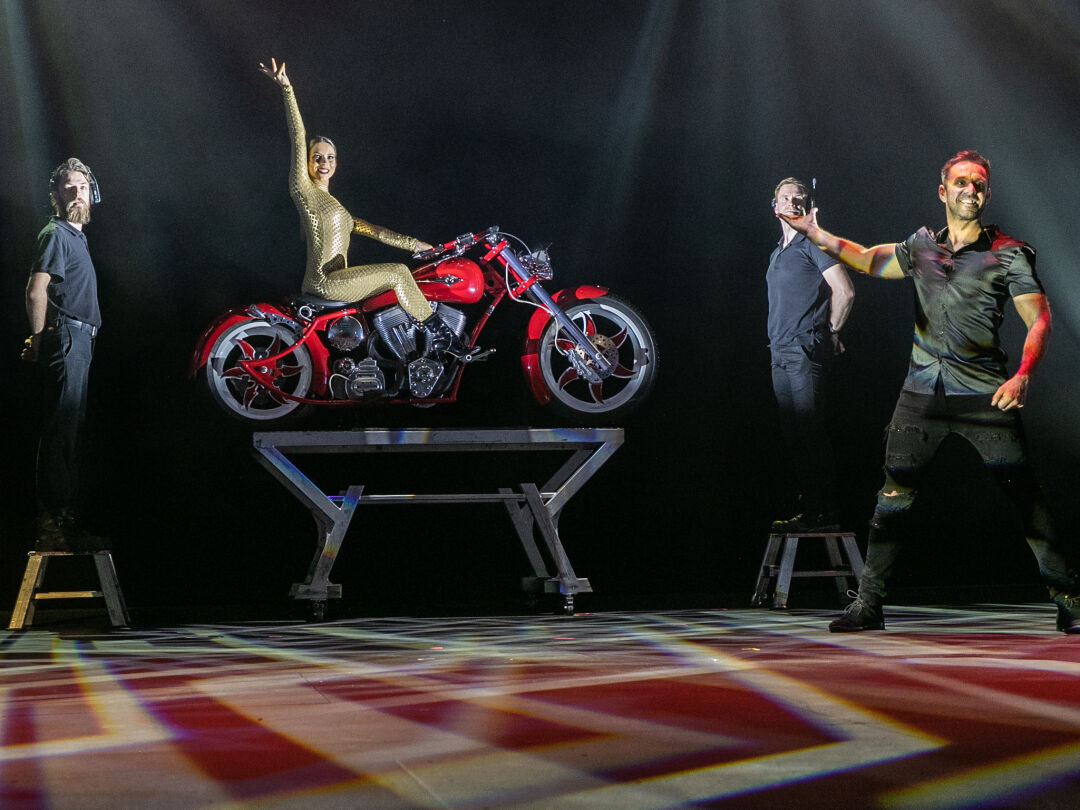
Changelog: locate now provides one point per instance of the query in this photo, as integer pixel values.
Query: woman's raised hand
(274, 72)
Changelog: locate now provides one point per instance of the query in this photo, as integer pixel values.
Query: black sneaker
(858, 616)
(806, 523)
(1068, 616)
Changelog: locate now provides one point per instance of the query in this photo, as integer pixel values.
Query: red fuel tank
(456, 281)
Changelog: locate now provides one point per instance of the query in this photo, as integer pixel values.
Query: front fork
(541, 296)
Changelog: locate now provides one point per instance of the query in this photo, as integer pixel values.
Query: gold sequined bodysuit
(327, 228)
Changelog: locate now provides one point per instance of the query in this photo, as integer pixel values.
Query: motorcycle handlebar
(457, 246)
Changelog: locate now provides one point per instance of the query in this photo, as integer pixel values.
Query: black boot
(1068, 618)
(807, 523)
(442, 340)
(864, 612)
(860, 615)
(60, 533)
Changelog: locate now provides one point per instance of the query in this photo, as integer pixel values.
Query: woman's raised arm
(276, 73)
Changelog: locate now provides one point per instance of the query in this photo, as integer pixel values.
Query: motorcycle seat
(316, 303)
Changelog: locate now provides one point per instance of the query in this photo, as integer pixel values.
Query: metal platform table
(531, 507)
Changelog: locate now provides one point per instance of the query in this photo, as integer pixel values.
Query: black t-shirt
(62, 252)
(799, 296)
(960, 299)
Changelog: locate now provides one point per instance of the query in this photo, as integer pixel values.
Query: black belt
(86, 327)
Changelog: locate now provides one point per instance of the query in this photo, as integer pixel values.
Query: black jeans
(920, 423)
(798, 376)
(65, 352)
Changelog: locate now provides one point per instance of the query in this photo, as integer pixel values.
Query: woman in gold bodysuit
(328, 226)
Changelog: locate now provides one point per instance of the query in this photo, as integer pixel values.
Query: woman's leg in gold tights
(364, 281)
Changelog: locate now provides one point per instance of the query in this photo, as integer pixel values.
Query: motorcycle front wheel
(622, 335)
(234, 389)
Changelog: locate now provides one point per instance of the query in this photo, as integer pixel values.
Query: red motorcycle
(588, 354)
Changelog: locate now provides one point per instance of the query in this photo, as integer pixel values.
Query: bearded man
(62, 307)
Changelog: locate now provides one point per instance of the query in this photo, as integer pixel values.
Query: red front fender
(530, 360)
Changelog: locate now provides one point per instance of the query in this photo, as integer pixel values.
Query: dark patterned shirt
(960, 299)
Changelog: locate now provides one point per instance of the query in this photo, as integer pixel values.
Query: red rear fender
(217, 326)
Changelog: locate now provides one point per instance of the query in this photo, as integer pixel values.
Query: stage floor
(736, 708)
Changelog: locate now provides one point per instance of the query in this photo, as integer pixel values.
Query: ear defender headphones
(95, 192)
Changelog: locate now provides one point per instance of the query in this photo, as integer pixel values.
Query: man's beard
(965, 213)
(77, 213)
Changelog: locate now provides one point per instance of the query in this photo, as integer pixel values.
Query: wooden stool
(784, 546)
(23, 614)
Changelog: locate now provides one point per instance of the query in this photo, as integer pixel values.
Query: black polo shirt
(960, 299)
(799, 296)
(62, 252)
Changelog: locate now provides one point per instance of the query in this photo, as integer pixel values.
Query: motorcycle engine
(408, 344)
(397, 331)
(401, 336)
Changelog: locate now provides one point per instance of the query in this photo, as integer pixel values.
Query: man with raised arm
(957, 382)
(810, 297)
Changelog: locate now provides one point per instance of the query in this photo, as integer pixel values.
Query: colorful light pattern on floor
(739, 708)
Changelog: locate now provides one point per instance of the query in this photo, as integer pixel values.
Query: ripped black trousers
(919, 425)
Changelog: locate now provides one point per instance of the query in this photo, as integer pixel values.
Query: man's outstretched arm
(879, 261)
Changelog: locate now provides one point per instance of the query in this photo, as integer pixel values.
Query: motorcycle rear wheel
(237, 393)
(620, 332)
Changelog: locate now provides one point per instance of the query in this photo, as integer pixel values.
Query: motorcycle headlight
(539, 264)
